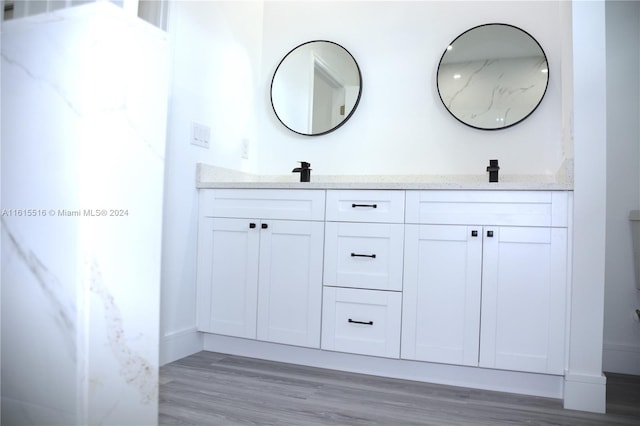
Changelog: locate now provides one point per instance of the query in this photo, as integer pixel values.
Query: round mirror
(316, 88)
(492, 76)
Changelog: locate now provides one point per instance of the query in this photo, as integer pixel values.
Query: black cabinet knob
(474, 233)
(490, 234)
(265, 226)
(252, 225)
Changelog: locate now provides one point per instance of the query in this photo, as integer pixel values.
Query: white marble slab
(493, 93)
(84, 104)
(208, 176)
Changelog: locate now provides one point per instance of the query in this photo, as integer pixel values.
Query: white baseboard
(454, 375)
(179, 344)
(585, 392)
(621, 359)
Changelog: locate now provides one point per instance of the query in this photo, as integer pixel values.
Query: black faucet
(304, 170)
(493, 168)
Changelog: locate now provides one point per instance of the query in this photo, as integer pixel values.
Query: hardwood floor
(215, 389)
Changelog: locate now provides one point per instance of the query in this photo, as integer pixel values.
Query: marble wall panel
(84, 104)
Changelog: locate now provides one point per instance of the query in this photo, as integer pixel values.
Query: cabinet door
(441, 296)
(290, 282)
(523, 299)
(228, 276)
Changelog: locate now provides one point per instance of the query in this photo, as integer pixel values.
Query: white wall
(622, 329)
(401, 126)
(216, 65)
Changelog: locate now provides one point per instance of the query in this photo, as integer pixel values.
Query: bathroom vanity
(420, 280)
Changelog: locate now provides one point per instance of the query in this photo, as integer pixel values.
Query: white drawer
(508, 208)
(363, 322)
(365, 206)
(293, 204)
(364, 255)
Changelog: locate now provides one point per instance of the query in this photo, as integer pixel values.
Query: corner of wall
(621, 359)
(585, 385)
(179, 344)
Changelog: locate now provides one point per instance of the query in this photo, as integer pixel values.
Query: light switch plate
(200, 134)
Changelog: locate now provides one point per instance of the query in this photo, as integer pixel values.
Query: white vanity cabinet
(364, 240)
(472, 284)
(259, 266)
(485, 279)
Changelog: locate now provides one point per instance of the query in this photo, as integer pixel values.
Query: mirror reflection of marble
(316, 88)
(492, 76)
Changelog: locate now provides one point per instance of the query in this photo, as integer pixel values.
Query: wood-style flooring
(215, 389)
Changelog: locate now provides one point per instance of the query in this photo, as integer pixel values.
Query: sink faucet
(493, 168)
(304, 170)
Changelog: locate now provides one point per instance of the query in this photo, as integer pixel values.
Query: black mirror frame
(516, 122)
(355, 106)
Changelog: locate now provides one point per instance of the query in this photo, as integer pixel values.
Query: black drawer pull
(252, 225)
(490, 234)
(265, 226)
(373, 206)
(373, 256)
(361, 322)
(474, 233)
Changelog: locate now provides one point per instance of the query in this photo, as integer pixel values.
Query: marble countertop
(217, 177)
